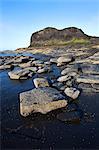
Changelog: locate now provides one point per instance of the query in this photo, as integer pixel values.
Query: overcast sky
(20, 18)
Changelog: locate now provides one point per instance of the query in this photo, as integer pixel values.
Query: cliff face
(51, 36)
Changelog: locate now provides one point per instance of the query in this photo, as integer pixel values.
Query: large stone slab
(19, 74)
(41, 100)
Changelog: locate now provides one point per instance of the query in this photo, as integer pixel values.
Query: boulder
(64, 59)
(43, 70)
(41, 82)
(12, 75)
(41, 100)
(72, 74)
(63, 78)
(65, 71)
(68, 70)
(88, 79)
(19, 74)
(72, 92)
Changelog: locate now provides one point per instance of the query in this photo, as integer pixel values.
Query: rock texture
(19, 74)
(63, 78)
(52, 36)
(72, 92)
(40, 82)
(41, 100)
(49, 36)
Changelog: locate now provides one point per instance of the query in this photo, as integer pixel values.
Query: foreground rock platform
(41, 100)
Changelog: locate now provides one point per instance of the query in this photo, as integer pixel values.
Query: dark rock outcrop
(52, 36)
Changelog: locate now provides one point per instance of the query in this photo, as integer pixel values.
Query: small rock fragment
(64, 78)
(41, 82)
(64, 59)
(72, 92)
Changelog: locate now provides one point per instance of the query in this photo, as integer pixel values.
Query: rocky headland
(63, 63)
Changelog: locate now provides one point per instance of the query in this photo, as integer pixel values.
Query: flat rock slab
(41, 100)
(19, 74)
(88, 79)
